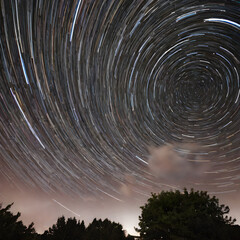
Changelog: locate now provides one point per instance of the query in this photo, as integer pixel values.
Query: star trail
(116, 99)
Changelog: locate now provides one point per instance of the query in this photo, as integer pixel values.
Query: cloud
(182, 162)
(127, 187)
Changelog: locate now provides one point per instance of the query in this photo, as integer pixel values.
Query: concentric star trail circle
(88, 86)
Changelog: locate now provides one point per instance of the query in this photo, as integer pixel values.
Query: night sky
(104, 102)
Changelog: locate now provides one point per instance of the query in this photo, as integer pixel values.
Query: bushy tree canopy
(11, 228)
(76, 230)
(184, 215)
(105, 230)
(65, 230)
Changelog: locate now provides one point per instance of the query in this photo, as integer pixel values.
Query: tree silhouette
(11, 228)
(105, 230)
(65, 230)
(75, 230)
(187, 215)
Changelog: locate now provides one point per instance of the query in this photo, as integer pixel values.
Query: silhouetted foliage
(187, 215)
(75, 230)
(168, 215)
(105, 230)
(65, 230)
(11, 228)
